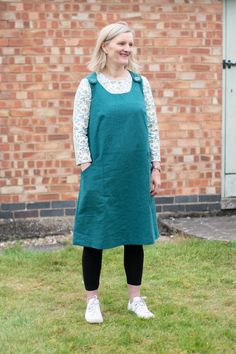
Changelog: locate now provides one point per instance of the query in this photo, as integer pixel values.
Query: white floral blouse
(81, 114)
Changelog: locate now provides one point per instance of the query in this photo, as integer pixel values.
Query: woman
(116, 144)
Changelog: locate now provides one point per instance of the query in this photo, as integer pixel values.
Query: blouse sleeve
(153, 129)
(81, 109)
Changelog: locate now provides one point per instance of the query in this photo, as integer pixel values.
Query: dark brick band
(175, 204)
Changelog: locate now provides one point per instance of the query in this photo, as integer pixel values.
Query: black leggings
(92, 263)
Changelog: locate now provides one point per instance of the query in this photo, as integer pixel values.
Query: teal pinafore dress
(114, 205)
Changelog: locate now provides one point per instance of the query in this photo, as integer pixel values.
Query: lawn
(190, 285)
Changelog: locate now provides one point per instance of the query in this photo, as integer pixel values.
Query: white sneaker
(93, 312)
(139, 307)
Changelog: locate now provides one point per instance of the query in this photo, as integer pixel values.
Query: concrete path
(221, 228)
(52, 243)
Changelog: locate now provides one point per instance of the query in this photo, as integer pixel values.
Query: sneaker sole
(145, 318)
(92, 321)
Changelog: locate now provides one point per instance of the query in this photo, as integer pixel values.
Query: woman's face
(119, 49)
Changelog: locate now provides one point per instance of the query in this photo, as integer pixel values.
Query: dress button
(137, 78)
(93, 81)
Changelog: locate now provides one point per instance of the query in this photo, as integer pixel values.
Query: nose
(127, 48)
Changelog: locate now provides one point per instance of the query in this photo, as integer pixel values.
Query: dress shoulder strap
(92, 78)
(136, 77)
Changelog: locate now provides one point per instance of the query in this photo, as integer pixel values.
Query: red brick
(180, 47)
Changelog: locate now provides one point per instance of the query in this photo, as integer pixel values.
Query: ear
(104, 48)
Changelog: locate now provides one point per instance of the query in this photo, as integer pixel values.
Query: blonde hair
(107, 33)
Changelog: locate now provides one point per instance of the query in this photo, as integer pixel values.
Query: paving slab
(221, 228)
(52, 243)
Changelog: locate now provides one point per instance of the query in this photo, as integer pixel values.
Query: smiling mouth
(124, 55)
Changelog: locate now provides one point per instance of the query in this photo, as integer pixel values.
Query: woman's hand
(155, 182)
(85, 165)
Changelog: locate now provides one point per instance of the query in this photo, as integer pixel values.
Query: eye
(124, 43)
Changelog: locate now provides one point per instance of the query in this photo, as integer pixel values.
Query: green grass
(190, 285)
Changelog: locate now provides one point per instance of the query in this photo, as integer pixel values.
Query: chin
(125, 62)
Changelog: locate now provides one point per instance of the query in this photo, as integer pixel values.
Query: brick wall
(44, 47)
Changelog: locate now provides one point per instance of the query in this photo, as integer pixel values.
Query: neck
(114, 71)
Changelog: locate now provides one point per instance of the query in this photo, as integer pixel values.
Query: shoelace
(141, 303)
(142, 299)
(92, 304)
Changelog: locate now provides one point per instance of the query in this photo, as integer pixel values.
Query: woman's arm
(81, 109)
(154, 140)
(153, 130)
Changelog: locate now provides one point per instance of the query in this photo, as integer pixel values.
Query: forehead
(128, 36)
